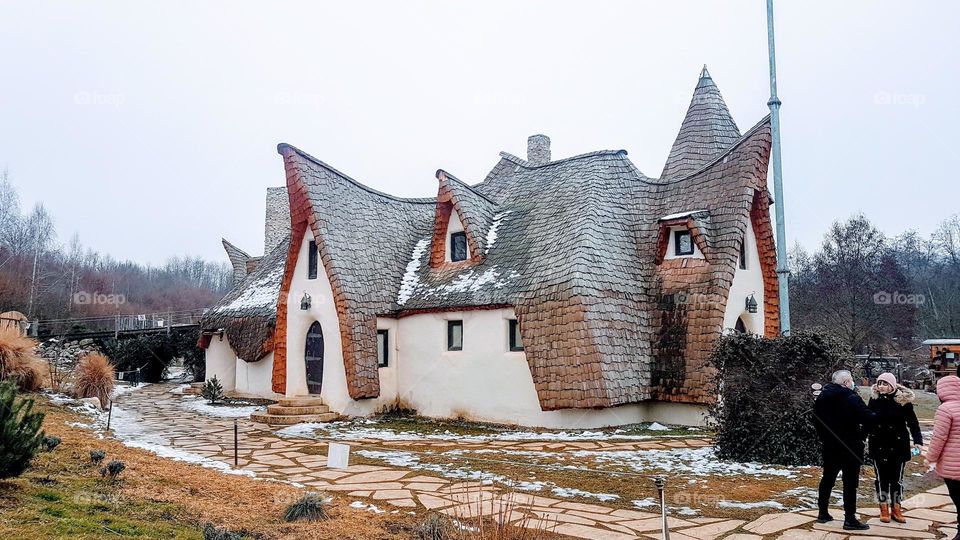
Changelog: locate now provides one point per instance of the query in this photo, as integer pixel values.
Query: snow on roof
(410, 280)
(941, 342)
(679, 215)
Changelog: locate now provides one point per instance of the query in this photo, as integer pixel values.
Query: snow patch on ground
(656, 426)
(364, 506)
(748, 506)
(687, 461)
(200, 405)
(367, 429)
(121, 389)
(411, 460)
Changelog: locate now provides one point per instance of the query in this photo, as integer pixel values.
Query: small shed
(14, 319)
(944, 354)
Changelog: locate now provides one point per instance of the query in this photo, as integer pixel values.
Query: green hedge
(764, 414)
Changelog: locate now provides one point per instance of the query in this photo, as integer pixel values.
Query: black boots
(854, 524)
(824, 517)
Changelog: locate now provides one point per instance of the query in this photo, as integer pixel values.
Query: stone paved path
(269, 456)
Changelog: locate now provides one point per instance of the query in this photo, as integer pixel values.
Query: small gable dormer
(462, 216)
(683, 235)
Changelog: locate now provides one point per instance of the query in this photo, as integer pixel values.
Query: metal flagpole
(783, 268)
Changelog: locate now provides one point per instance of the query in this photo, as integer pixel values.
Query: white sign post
(338, 455)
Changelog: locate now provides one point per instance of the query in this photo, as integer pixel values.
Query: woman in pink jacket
(944, 449)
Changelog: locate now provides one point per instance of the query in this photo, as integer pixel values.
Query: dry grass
(63, 496)
(19, 361)
(94, 378)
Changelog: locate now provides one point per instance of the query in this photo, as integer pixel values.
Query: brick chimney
(538, 149)
(276, 226)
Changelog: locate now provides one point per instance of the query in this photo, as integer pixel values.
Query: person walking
(944, 450)
(890, 447)
(842, 421)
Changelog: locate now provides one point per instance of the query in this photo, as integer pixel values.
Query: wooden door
(314, 358)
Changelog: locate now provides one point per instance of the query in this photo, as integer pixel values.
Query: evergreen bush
(765, 410)
(113, 469)
(20, 435)
(212, 390)
(97, 456)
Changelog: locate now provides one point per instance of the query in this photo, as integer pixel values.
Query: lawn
(63, 496)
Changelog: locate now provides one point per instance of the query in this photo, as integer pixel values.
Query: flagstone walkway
(260, 451)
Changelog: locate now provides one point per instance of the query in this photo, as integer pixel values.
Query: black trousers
(851, 479)
(889, 482)
(953, 486)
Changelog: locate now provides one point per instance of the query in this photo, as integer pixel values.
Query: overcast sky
(151, 128)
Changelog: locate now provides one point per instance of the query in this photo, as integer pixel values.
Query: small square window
(743, 254)
(682, 243)
(312, 261)
(516, 342)
(458, 246)
(454, 335)
(383, 348)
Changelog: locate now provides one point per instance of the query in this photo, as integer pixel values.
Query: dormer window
(682, 243)
(458, 246)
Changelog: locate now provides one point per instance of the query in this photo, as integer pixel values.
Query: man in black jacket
(843, 421)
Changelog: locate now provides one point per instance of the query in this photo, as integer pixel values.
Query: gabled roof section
(247, 314)
(475, 211)
(707, 130)
(238, 260)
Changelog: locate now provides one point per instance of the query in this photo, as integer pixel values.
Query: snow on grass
(574, 492)
(748, 506)
(200, 405)
(688, 461)
(368, 429)
(364, 506)
(656, 426)
(411, 460)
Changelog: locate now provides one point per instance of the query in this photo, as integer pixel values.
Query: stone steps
(295, 410)
(289, 420)
(283, 410)
(302, 401)
(193, 389)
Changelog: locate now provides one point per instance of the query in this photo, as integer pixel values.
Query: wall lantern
(751, 304)
(305, 302)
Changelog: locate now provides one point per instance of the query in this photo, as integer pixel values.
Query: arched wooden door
(314, 358)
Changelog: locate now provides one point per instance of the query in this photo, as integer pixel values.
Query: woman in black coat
(890, 446)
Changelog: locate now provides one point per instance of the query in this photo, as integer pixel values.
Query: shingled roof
(247, 314)
(573, 245)
(707, 130)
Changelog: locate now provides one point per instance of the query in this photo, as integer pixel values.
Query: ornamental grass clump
(19, 361)
(20, 435)
(50, 442)
(310, 507)
(94, 378)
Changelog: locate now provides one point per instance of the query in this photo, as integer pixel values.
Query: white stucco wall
(487, 382)
(745, 283)
(453, 225)
(671, 246)
(255, 378)
(334, 387)
(221, 363)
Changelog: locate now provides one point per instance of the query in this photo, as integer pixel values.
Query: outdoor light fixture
(305, 302)
(751, 304)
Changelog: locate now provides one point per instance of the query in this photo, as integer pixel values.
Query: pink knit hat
(888, 378)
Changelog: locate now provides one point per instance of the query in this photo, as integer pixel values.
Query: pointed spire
(707, 129)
